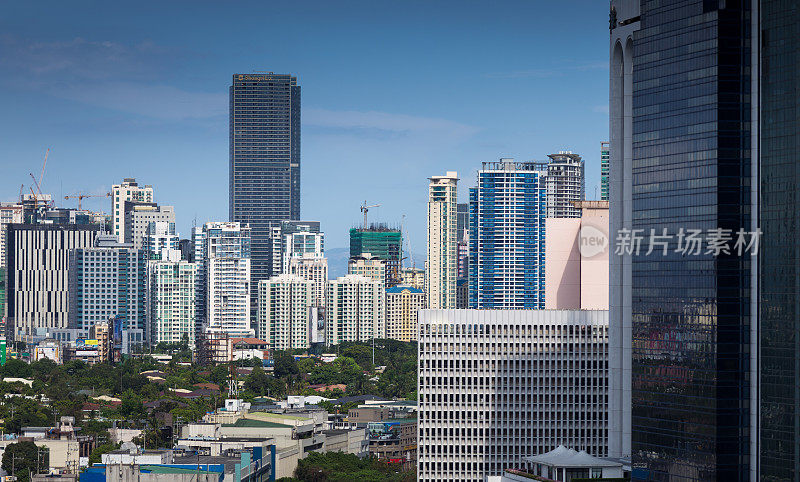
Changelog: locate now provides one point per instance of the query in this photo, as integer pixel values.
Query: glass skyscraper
(704, 135)
(507, 236)
(264, 172)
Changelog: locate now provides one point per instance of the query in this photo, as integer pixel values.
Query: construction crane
(38, 183)
(81, 196)
(365, 209)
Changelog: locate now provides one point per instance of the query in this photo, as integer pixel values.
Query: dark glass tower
(779, 203)
(264, 173)
(704, 127)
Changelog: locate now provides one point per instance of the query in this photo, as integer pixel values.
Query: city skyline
(379, 121)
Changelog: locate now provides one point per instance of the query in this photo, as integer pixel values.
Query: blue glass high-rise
(507, 236)
(264, 172)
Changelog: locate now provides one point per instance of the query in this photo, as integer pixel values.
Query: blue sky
(392, 92)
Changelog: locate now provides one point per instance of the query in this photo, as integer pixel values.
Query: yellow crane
(81, 196)
(365, 209)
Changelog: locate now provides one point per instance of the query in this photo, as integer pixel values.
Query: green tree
(362, 355)
(23, 458)
(285, 365)
(97, 454)
(257, 382)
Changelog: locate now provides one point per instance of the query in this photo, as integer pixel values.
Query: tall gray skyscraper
(704, 347)
(264, 171)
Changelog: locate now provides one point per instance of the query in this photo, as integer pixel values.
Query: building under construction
(382, 242)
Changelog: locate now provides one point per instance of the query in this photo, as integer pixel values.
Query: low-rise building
(564, 464)
(50, 349)
(394, 441)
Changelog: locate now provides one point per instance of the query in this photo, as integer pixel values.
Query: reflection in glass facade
(779, 216)
(691, 170)
(264, 160)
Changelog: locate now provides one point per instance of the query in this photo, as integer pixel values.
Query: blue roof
(401, 288)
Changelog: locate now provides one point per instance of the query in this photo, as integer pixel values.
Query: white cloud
(384, 122)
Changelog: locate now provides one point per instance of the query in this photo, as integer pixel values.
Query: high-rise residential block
(566, 185)
(507, 236)
(368, 265)
(170, 303)
(355, 309)
(703, 129)
(222, 253)
(139, 215)
(284, 312)
(441, 268)
(9, 213)
(127, 190)
(264, 164)
(160, 236)
(383, 242)
(605, 158)
(295, 239)
(107, 280)
(402, 304)
(496, 386)
(37, 276)
(313, 269)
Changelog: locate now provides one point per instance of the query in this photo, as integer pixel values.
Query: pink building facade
(576, 259)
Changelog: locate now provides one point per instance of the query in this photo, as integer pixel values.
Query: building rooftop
(570, 458)
(402, 288)
(251, 422)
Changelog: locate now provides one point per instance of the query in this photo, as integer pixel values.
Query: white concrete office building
(128, 190)
(354, 309)
(499, 385)
(138, 217)
(171, 299)
(284, 309)
(442, 262)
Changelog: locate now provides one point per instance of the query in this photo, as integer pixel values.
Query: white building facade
(566, 184)
(139, 216)
(128, 190)
(499, 385)
(284, 311)
(160, 235)
(171, 300)
(315, 270)
(368, 265)
(222, 251)
(442, 261)
(9, 213)
(354, 309)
